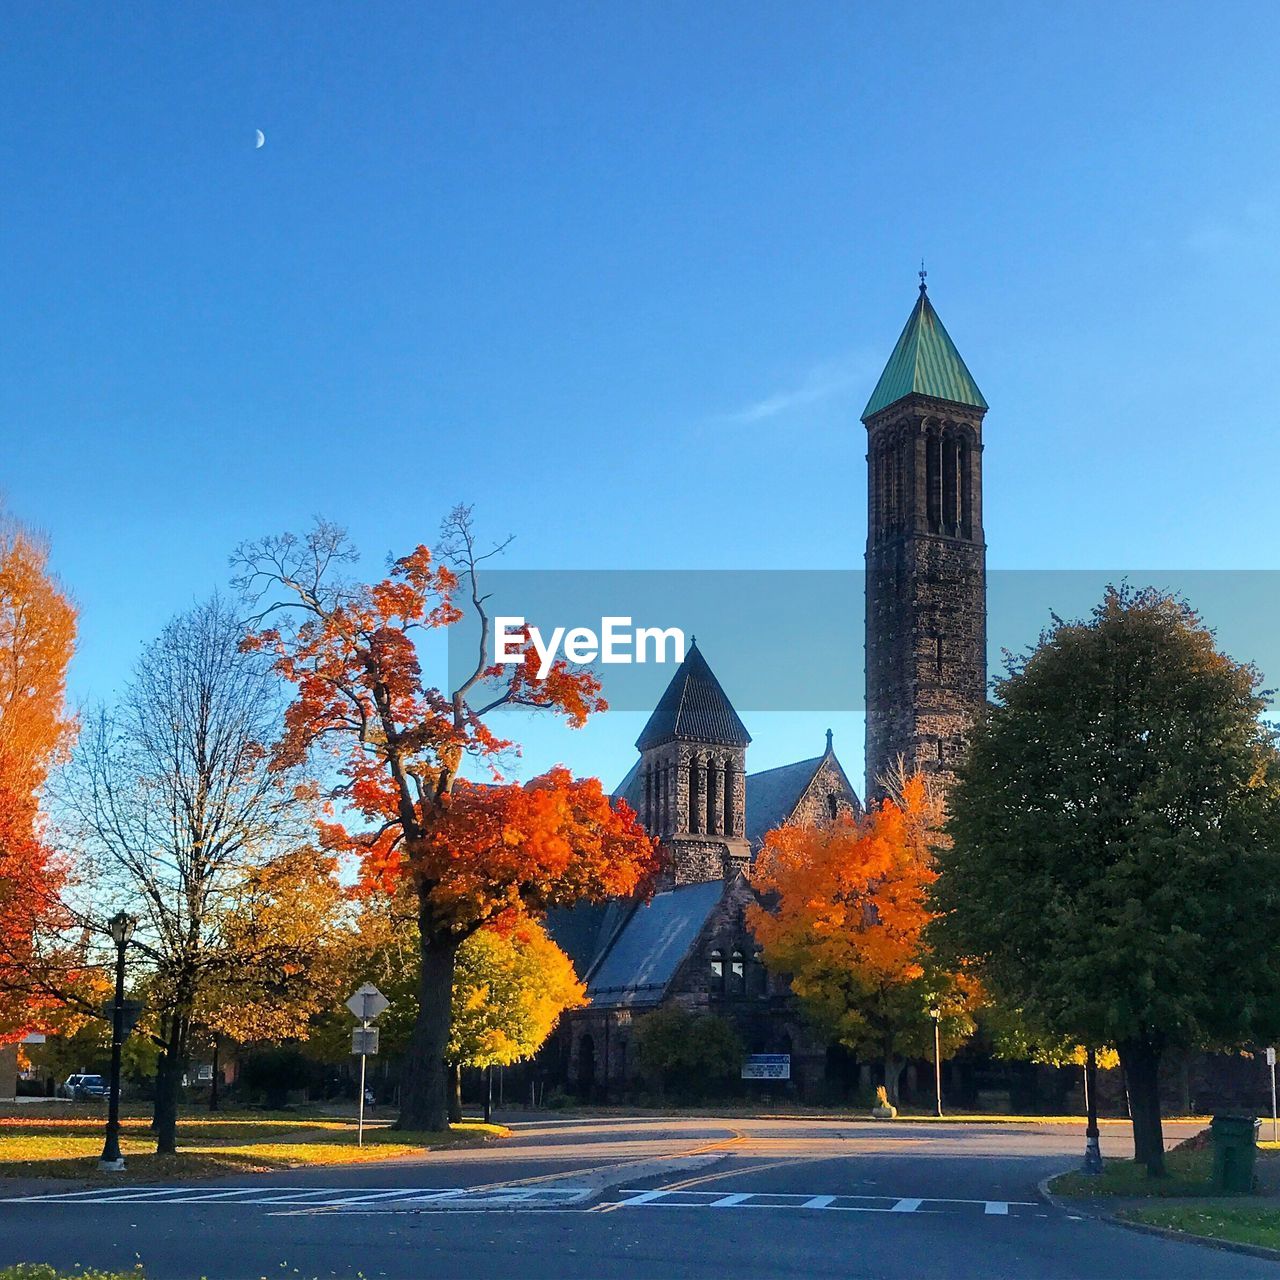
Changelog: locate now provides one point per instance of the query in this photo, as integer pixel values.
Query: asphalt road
(671, 1199)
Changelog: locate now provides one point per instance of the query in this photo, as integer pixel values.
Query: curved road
(678, 1198)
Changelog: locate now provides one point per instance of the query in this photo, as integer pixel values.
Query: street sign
(130, 1012)
(767, 1066)
(1271, 1057)
(368, 1002)
(364, 1041)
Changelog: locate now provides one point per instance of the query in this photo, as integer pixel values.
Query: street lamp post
(121, 926)
(1092, 1143)
(937, 1057)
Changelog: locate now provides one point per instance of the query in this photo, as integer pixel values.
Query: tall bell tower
(926, 558)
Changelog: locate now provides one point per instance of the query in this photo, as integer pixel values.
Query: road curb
(1087, 1209)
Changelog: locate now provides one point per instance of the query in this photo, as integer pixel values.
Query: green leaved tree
(1114, 865)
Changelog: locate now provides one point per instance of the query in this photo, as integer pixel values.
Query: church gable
(812, 792)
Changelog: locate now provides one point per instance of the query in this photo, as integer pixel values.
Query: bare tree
(171, 805)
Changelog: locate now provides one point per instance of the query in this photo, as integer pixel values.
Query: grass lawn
(1189, 1173)
(1242, 1225)
(43, 1271)
(41, 1143)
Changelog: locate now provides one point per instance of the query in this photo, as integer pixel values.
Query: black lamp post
(1092, 1136)
(121, 926)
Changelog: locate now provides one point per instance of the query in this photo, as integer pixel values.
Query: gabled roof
(925, 362)
(638, 967)
(773, 794)
(694, 709)
(631, 788)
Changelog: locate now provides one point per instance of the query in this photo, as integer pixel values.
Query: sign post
(366, 1003)
(1271, 1063)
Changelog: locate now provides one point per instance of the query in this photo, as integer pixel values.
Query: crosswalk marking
(295, 1200)
(692, 1199)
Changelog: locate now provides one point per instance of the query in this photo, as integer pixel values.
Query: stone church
(925, 675)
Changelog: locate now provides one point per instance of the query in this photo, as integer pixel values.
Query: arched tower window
(950, 490)
(738, 972)
(695, 795)
(730, 786)
(966, 487)
(933, 478)
(833, 805)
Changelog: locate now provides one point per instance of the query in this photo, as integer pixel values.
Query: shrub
(690, 1054)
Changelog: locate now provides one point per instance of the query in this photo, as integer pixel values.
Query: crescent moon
(259, 138)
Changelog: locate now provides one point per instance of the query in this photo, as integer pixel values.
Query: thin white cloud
(823, 382)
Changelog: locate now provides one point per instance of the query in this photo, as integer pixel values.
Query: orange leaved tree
(848, 909)
(37, 637)
(471, 852)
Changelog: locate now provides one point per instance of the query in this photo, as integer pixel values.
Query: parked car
(84, 1088)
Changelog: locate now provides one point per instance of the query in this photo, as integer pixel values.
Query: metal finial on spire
(828, 742)
(924, 288)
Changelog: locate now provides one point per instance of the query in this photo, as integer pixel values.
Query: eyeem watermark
(617, 643)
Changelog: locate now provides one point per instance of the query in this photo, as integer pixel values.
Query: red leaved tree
(37, 637)
(472, 852)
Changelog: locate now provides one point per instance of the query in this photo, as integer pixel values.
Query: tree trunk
(423, 1102)
(455, 1093)
(892, 1075)
(165, 1116)
(1141, 1059)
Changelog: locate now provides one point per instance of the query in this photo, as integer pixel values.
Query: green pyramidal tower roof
(925, 362)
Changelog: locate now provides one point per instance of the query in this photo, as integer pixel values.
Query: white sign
(33, 1037)
(1271, 1057)
(767, 1066)
(367, 1002)
(364, 1041)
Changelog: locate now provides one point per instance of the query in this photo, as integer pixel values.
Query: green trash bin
(1235, 1146)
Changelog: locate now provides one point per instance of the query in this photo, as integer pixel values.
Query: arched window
(714, 781)
(648, 797)
(950, 495)
(933, 479)
(717, 972)
(757, 979)
(966, 488)
(729, 779)
(833, 805)
(696, 802)
(737, 973)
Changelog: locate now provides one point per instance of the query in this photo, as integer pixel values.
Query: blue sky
(623, 276)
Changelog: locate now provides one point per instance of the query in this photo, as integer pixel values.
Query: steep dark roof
(637, 969)
(925, 362)
(773, 794)
(631, 788)
(694, 709)
(583, 932)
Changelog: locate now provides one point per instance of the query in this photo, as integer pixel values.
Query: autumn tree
(1115, 858)
(510, 986)
(848, 908)
(37, 637)
(472, 852)
(178, 819)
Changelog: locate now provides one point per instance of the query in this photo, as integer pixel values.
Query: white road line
(997, 1207)
(817, 1202)
(727, 1202)
(906, 1206)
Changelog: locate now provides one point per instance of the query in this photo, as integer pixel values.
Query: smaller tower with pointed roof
(691, 786)
(926, 558)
